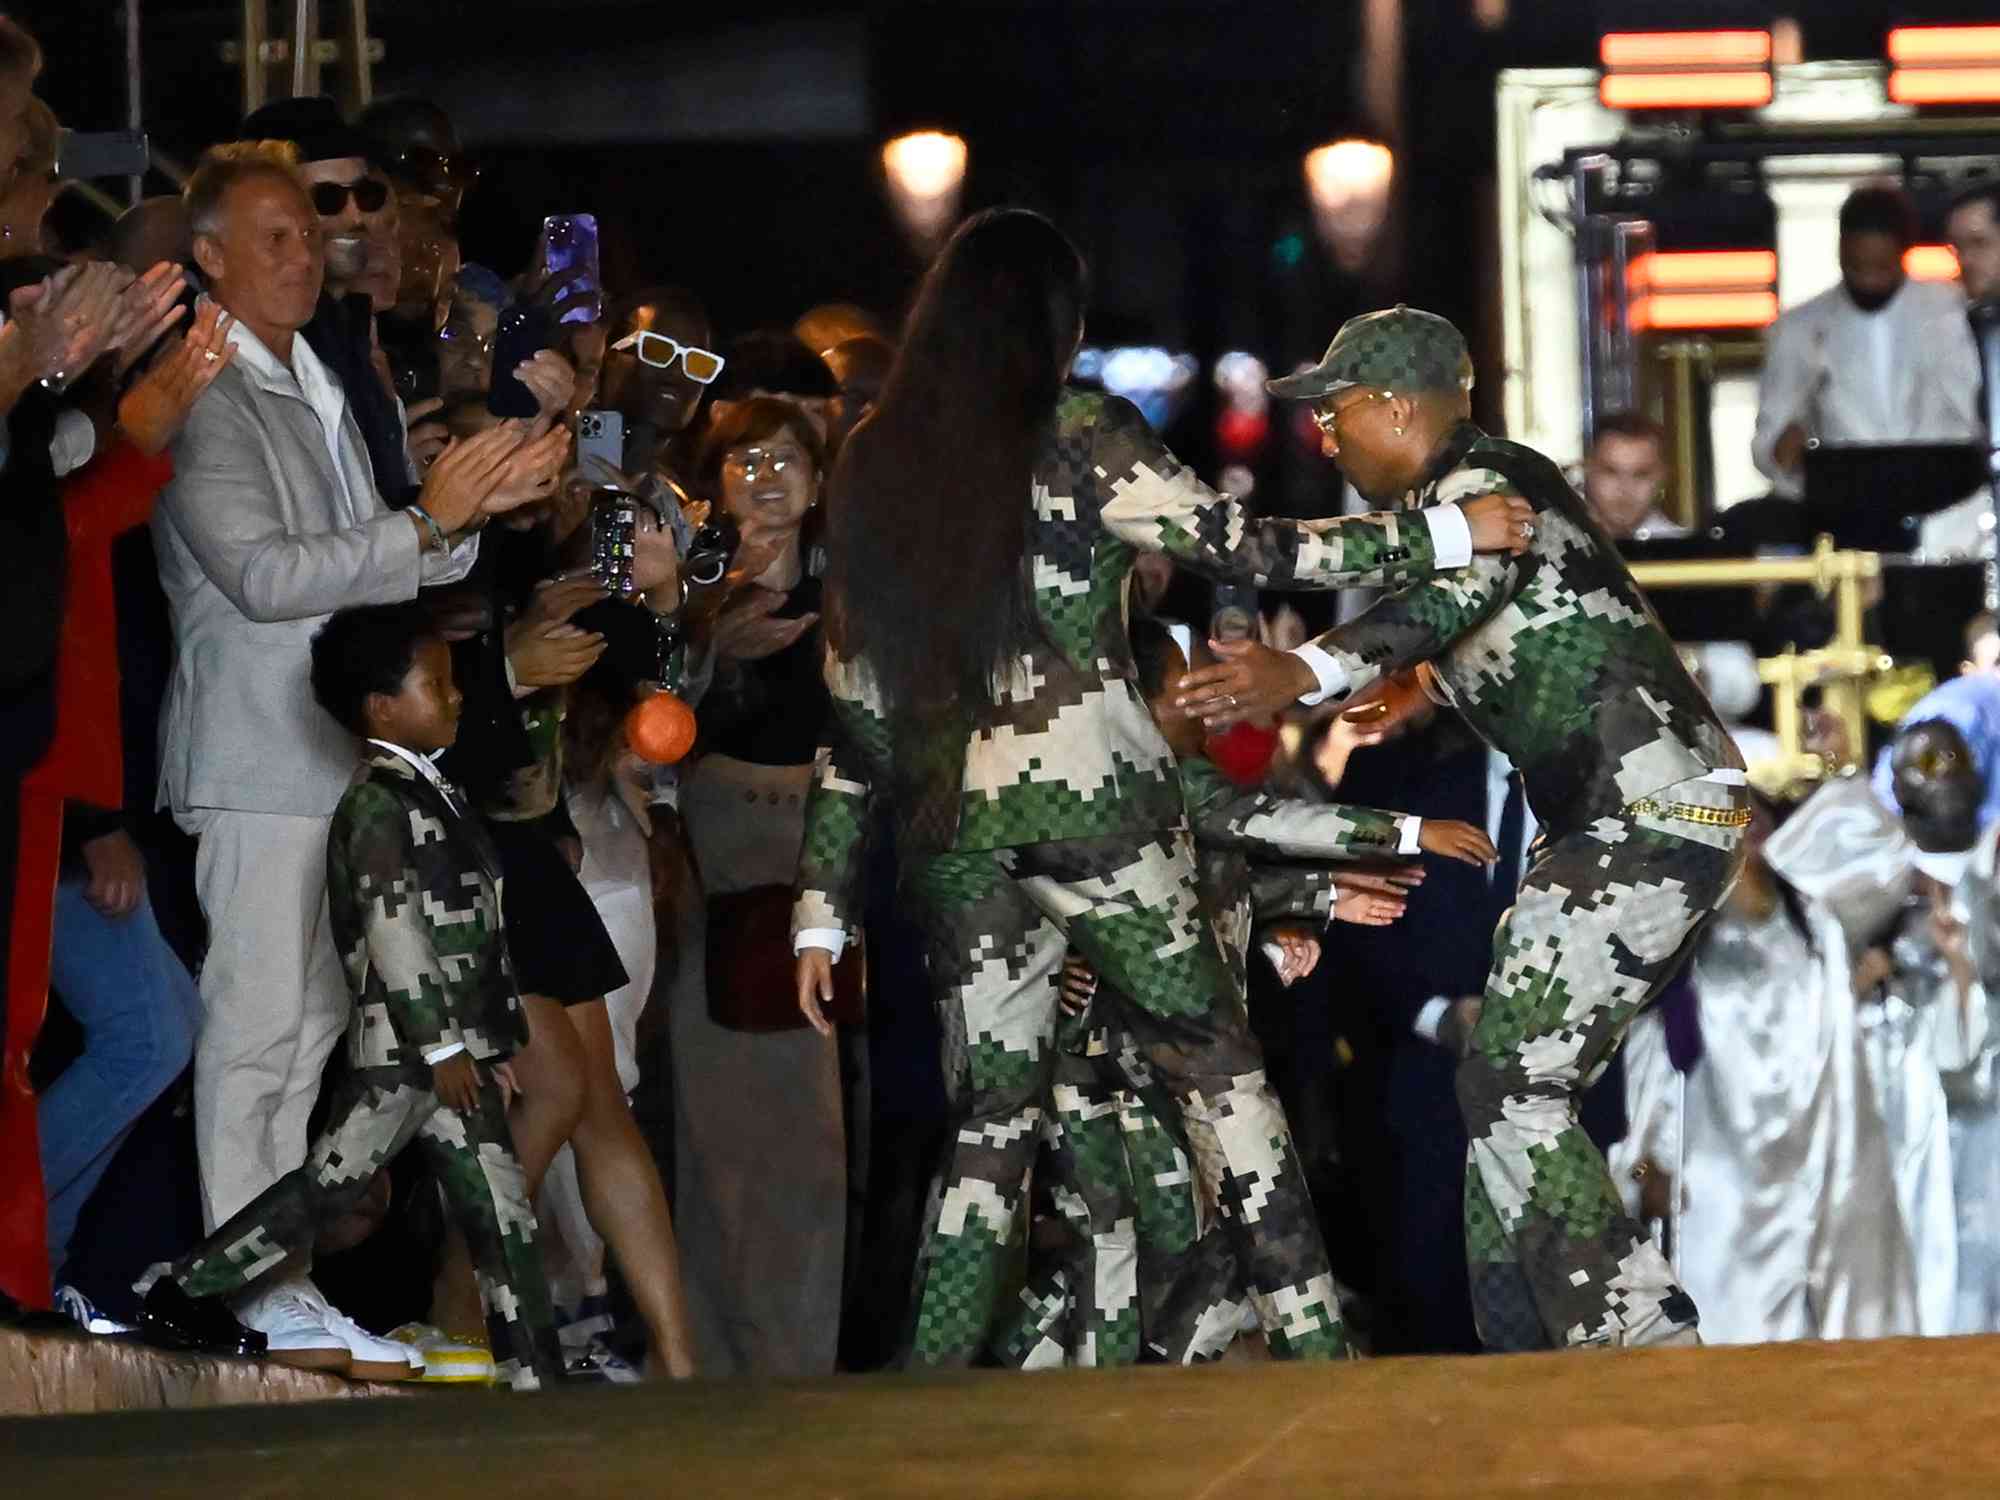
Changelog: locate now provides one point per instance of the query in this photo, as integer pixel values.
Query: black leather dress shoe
(171, 1319)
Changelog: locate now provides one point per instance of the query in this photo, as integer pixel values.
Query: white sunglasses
(656, 349)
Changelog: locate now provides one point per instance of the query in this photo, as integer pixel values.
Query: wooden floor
(1907, 1417)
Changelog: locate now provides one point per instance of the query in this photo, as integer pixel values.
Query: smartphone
(84, 154)
(1233, 613)
(614, 532)
(600, 443)
(569, 250)
(523, 333)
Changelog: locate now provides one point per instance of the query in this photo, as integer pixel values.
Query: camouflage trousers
(1605, 917)
(375, 1113)
(998, 925)
(1126, 1260)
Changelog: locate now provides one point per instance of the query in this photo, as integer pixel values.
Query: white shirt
(426, 767)
(315, 384)
(1850, 377)
(1451, 541)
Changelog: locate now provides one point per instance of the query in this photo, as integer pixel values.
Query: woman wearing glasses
(760, 1148)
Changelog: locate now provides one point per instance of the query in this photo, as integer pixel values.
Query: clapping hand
(57, 327)
(156, 406)
(148, 308)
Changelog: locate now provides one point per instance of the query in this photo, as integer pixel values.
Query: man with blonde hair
(272, 523)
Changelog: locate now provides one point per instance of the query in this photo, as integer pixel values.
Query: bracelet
(416, 509)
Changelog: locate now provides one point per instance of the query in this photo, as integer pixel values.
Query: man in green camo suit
(1052, 815)
(1556, 660)
(413, 892)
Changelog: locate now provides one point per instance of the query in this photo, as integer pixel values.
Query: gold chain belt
(1692, 812)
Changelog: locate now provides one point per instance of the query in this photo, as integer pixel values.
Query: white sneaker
(293, 1330)
(447, 1361)
(85, 1313)
(369, 1357)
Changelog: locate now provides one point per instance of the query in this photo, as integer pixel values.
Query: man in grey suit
(272, 522)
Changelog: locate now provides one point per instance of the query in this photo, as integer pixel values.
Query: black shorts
(554, 935)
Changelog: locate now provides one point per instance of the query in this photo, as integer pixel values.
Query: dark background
(735, 149)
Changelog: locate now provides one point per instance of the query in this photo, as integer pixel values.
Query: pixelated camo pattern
(372, 1117)
(413, 892)
(1000, 923)
(1068, 750)
(1554, 657)
(1190, 1289)
(1604, 918)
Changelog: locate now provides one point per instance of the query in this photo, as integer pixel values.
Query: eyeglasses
(369, 194)
(750, 462)
(659, 351)
(467, 339)
(1326, 419)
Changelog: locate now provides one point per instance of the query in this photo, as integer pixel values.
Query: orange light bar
(1931, 263)
(1685, 90)
(1945, 85)
(1916, 46)
(1685, 49)
(1683, 270)
(1674, 310)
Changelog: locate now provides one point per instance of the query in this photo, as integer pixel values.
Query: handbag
(752, 978)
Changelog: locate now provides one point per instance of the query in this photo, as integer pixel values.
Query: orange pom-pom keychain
(660, 728)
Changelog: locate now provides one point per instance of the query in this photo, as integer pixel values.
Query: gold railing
(1841, 669)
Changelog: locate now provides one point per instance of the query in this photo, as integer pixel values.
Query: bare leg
(550, 1070)
(622, 1193)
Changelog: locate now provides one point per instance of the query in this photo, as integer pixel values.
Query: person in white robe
(1770, 1158)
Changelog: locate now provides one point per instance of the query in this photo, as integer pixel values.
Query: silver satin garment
(1967, 1042)
(1788, 1224)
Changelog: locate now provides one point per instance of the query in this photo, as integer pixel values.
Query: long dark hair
(928, 505)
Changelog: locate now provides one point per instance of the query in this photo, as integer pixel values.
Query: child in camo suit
(1143, 1270)
(413, 889)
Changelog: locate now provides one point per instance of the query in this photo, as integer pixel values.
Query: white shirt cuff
(830, 938)
(1412, 828)
(1429, 1018)
(1331, 676)
(436, 1055)
(1451, 535)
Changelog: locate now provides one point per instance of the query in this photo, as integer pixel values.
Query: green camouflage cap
(1399, 349)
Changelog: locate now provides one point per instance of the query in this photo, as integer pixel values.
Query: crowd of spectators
(275, 399)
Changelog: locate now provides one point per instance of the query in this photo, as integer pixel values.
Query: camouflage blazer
(1248, 844)
(1251, 849)
(1554, 657)
(1068, 749)
(413, 887)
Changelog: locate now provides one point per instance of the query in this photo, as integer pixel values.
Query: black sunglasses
(369, 194)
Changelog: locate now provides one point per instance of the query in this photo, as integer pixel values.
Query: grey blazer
(257, 546)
